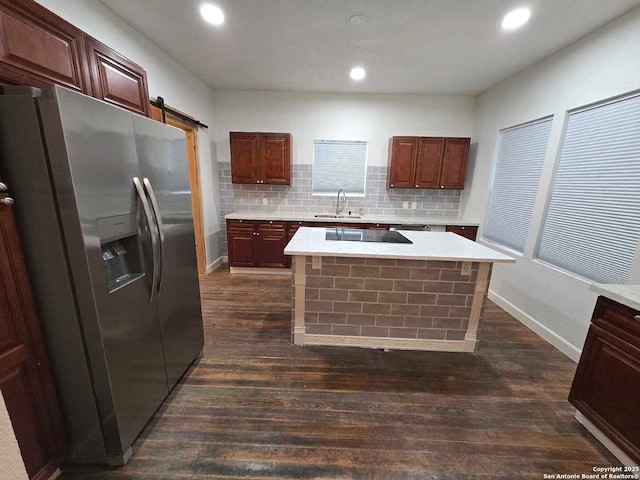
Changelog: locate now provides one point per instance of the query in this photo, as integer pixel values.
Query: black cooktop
(361, 235)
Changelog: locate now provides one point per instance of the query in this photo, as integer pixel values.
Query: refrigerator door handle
(156, 211)
(154, 239)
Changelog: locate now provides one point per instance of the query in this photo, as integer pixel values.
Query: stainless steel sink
(328, 215)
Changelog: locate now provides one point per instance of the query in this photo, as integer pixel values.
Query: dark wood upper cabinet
(38, 48)
(25, 379)
(245, 157)
(427, 162)
(606, 387)
(454, 163)
(276, 166)
(116, 79)
(403, 153)
(260, 158)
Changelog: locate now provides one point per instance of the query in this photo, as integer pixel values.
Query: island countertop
(444, 246)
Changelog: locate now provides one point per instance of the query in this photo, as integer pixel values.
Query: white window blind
(339, 164)
(592, 225)
(516, 176)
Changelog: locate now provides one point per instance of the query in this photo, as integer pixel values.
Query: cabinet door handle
(3, 187)
(8, 201)
(441, 186)
(637, 317)
(392, 184)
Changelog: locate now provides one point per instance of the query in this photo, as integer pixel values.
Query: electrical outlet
(466, 268)
(316, 263)
(265, 201)
(405, 205)
(414, 205)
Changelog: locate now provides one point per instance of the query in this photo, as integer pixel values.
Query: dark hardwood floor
(256, 406)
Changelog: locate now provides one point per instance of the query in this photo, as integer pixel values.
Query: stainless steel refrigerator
(103, 206)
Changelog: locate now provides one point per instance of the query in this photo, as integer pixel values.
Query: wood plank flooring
(257, 407)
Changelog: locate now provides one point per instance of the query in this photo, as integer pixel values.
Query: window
(516, 176)
(339, 165)
(592, 225)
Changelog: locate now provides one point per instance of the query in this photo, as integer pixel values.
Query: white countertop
(387, 219)
(444, 246)
(628, 295)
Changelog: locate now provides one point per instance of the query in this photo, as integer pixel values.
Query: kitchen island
(423, 295)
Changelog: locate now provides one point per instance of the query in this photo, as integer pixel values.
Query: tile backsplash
(297, 197)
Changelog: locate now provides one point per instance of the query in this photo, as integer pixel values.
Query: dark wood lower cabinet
(466, 231)
(606, 387)
(241, 241)
(257, 244)
(25, 379)
(272, 238)
(262, 243)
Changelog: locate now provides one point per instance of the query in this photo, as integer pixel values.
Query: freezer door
(163, 161)
(93, 161)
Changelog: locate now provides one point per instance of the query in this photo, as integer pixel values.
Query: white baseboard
(225, 259)
(384, 342)
(215, 265)
(604, 440)
(260, 271)
(550, 336)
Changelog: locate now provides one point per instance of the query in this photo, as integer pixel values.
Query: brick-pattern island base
(353, 294)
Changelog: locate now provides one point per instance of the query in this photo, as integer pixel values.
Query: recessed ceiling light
(358, 73)
(516, 18)
(358, 19)
(212, 14)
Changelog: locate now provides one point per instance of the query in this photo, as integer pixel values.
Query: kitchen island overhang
(424, 295)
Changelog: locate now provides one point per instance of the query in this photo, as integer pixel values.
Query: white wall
(332, 116)
(11, 465)
(600, 66)
(167, 79)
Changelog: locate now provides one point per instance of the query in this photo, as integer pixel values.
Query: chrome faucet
(339, 208)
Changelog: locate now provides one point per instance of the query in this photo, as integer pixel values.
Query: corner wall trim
(527, 320)
(214, 265)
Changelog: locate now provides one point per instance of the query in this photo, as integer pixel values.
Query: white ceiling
(407, 46)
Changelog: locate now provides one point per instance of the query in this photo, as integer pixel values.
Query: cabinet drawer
(240, 225)
(278, 227)
(293, 227)
(617, 319)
